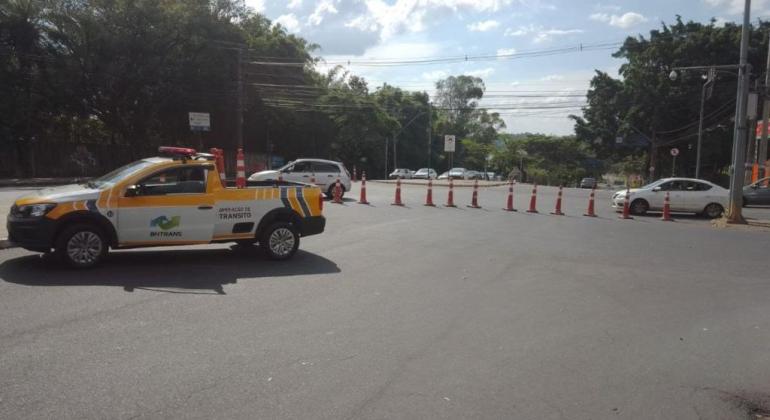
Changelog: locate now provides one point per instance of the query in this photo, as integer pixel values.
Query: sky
(536, 57)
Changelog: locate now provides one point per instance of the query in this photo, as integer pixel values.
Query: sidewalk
(751, 224)
(40, 182)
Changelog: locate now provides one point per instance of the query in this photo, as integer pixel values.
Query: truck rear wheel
(81, 245)
(279, 241)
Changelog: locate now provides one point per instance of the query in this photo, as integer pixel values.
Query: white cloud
(257, 5)
(483, 26)
(552, 77)
(435, 75)
(482, 73)
(294, 4)
(506, 51)
(410, 15)
(324, 7)
(540, 34)
(624, 21)
(288, 21)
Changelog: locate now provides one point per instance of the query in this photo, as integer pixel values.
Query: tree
(650, 112)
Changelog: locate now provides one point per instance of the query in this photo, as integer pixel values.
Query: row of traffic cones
(590, 211)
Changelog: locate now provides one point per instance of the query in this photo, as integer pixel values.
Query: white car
(425, 173)
(326, 173)
(402, 173)
(686, 195)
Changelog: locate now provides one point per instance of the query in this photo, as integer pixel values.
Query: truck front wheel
(279, 241)
(81, 246)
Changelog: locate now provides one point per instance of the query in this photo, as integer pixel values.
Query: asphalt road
(403, 312)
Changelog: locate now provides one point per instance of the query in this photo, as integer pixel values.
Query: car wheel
(81, 246)
(713, 210)
(639, 207)
(279, 241)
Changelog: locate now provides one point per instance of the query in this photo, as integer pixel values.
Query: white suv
(326, 173)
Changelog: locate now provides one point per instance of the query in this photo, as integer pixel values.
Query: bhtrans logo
(165, 224)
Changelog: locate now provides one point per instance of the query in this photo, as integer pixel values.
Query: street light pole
(708, 83)
(739, 135)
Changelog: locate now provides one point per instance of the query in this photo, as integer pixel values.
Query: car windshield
(119, 174)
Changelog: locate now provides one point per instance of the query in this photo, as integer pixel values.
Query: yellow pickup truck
(175, 199)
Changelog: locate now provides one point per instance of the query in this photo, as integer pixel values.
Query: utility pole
(239, 103)
(430, 127)
(708, 83)
(762, 155)
(739, 135)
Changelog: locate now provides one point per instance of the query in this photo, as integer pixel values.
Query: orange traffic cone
(475, 197)
(557, 210)
(533, 200)
(429, 196)
(398, 201)
(450, 198)
(626, 208)
(240, 170)
(362, 200)
(509, 204)
(667, 209)
(590, 212)
(337, 192)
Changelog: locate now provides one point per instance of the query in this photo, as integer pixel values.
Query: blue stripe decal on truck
(302, 202)
(285, 198)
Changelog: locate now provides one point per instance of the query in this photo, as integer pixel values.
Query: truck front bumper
(34, 234)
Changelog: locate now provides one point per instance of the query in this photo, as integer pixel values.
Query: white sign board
(674, 151)
(449, 143)
(200, 121)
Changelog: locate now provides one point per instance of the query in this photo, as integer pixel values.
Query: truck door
(170, 206)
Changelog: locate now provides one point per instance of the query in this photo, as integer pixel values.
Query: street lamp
(710, 79)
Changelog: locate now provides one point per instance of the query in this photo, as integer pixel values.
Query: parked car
(757, 193)
(588, 183)
(425, 173)
(401, 172)
(326, 173)
(687, 195)
(455, 173)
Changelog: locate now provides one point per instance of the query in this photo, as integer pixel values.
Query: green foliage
(118, 77)
(646, 106)
(544, 159)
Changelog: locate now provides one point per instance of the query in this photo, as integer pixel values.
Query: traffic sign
(674, 151)
(449, 143)
(199, 121)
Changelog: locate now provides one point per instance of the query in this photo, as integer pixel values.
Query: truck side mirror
(133, 190)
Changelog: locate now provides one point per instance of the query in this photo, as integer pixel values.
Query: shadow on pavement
(187, 270)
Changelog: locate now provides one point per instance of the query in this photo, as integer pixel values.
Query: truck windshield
(119, 174)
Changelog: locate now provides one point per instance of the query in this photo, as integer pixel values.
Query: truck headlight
(35, 210)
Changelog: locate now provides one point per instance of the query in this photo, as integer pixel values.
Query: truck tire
(81, 245)
(279, 241)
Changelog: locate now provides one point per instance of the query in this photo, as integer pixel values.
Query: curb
(436, 184)
(6, 244)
